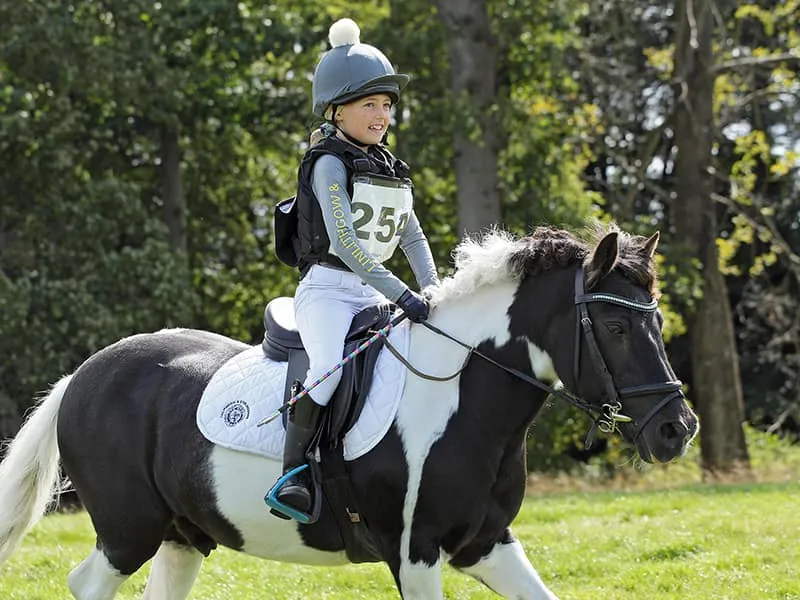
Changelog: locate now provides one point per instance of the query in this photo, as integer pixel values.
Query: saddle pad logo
(235, 412)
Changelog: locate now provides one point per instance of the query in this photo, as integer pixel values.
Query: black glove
(414, 305)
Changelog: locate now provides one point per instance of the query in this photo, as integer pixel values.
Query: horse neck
(481, 319)
(479, 316)
(545, 315)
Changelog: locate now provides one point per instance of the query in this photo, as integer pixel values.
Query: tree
(476, 133)
(760, 247)
(715, 362)
(682, 149)
(110, 118)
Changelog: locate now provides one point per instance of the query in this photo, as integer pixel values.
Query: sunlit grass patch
(701, 542)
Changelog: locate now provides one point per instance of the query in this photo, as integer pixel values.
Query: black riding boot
(301, 427)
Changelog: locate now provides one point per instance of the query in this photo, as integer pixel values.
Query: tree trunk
(172, 190)
(715, 365)
(476, 136)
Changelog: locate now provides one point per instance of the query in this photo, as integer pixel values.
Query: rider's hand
(414, 305)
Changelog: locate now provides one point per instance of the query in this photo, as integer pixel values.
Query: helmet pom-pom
(343, 33)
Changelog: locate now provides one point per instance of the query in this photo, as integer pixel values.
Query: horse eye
(616, 328)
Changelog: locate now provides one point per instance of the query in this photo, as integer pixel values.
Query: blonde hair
(329, 115)
(316, 137)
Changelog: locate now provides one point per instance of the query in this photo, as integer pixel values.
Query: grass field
(693, 542)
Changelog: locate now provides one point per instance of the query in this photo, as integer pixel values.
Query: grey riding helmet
(352, 70)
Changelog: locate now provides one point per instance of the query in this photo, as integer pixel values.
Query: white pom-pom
(343, 33)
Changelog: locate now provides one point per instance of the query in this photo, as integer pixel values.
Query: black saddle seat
(281, 334)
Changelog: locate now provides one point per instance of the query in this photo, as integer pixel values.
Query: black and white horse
(443, 484)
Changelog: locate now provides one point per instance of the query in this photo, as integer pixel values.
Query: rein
(600, 417)
(604, 418)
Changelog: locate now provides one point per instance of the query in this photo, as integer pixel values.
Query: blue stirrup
(272, 501)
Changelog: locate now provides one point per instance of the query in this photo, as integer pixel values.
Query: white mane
(480, 261)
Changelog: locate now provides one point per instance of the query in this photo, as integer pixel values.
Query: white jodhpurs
(325, 303)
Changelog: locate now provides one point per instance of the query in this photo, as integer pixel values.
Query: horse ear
(603, 258)
(649, 249)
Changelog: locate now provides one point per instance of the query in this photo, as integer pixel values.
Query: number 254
(386, 220)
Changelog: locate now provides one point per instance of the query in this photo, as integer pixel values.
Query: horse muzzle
(667, 433)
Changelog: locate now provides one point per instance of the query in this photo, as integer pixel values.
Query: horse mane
(498, 257)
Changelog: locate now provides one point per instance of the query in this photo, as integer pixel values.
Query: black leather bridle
(606, 417)
(610, 414)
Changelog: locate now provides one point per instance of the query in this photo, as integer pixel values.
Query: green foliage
(557, 432)
(416, 42)
(545, 128)
(752, 152)
(87, 90)
(759, 245)
(773, 458)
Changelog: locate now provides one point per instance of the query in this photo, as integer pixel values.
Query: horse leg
(508, 572)
(95, 578)
(123, 545)
(173, 573)
(417, 579)
(416, 565)
(420, 580)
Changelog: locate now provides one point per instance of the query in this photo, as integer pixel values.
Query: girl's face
(366, 119)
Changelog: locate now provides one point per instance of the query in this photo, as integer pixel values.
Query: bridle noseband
(606, 417)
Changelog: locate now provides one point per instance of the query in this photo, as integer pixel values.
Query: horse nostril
(674, 431)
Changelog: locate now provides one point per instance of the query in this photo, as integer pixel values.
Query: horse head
(621, 314)
(603, 334)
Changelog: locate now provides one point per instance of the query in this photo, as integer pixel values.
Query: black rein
(604, 418)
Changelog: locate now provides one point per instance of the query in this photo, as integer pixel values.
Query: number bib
(381, 209)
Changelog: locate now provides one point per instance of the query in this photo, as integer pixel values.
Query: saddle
(329, 476)
(282, 344)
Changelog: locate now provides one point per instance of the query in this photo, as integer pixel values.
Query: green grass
(698, 542)
(772, 460)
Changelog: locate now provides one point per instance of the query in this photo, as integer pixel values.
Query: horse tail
(29, 476)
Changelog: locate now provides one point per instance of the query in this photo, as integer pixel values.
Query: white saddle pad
(249, 387)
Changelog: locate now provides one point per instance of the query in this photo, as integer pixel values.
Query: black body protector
(377, 164)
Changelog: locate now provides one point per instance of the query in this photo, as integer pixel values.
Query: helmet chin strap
(353, 140)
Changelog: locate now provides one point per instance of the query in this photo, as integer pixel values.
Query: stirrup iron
(284, 511)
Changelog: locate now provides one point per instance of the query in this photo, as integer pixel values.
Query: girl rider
(355, 206)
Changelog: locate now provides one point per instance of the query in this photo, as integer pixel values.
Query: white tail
(29, 473)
